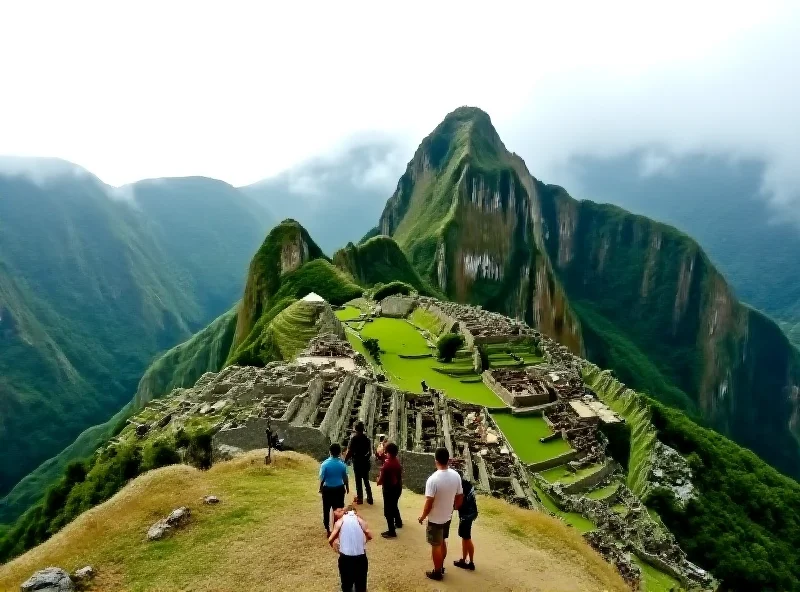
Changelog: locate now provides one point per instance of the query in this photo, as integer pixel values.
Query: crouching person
(350, 535)
(467, 514)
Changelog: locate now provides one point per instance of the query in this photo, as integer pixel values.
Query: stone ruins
(315, 401)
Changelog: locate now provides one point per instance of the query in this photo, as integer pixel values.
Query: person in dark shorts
(467, 514)
(333, 484)
(359, 450)
(391, 479)
(443, 492)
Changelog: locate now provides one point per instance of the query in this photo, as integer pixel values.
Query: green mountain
(94, 281)
(753, 242)
(379, 260)
(634, 295)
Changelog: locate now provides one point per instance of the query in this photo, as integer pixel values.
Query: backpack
(469, 507)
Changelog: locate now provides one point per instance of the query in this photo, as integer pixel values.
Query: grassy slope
(91, 288)
(268, 514)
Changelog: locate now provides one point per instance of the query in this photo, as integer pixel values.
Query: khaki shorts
(435, 534)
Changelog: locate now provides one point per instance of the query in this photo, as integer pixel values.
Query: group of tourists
(348, 533)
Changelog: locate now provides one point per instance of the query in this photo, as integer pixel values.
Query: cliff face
(463, 213)
(631, 294)
(644, 285)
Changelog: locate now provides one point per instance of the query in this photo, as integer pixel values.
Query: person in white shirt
(443, 494)
(349, 537)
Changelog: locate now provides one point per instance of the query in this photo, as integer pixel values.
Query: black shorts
(465, 528)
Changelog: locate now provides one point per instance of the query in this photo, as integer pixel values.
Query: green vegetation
(378, 260)
(373, 348)
(745, 524)
(348, 313)
(427, 321)
(524, 432)
(562, 474)
(447, 345)
(91, 289)
(84, 485)
(392, 289)
(603, 492)
(632, 443)
(654, 580)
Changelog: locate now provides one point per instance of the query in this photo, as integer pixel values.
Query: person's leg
(464, 549)
(326, 509)
(398, 521)
(344, 574)
(360, 570)
(433, 534)
(471, 550)
(358, 476)
(337, 496)
(445, 535)
(367, 486)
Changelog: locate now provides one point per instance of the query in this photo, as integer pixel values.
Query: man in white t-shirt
(443, 494)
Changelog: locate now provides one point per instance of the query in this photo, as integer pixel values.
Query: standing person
(333, 484)
(360, 451)
(391, 479)
(380, 451)
(443, 492)
(467, 514)
(352, 534)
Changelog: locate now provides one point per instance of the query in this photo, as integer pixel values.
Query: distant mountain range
(94, 281)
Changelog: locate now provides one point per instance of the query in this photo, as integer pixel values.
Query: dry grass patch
(266, 534)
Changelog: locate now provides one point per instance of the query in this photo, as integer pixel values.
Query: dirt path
(267, 534)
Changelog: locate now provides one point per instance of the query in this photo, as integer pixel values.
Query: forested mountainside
(94, 281)
(634, 295)
(720, 202)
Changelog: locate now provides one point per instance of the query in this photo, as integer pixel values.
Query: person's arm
(321, 477)
(349, 452)
(335, 533)
(346, 482)
(459, 499)
(365, 528)
(380, 476)
(426, 509)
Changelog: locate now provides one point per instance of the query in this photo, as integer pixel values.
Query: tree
(373, 348)
(448, 345)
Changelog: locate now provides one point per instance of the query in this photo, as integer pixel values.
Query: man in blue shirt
(333, 484)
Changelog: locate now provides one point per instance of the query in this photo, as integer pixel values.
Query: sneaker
(461, 563)
(435, 575)
(398, 524)
(389, 534)
(358, 501)
(369, 501)
(472, 566)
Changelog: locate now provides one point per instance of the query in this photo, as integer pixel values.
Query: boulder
(210, 500)
(51, 579)
(176, 518)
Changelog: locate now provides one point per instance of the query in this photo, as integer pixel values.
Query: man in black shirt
(360, 450)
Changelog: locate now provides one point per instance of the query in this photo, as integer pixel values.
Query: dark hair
(336, 449)
(360, 427)
(442, 456)
(391, 449)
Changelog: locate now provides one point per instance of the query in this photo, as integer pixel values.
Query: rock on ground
(51, 579)
(176, 518)
(84, 573)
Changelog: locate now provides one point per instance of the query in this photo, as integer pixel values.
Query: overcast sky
(241, 91)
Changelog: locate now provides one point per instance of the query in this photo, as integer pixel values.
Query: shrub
(159, 453)
(448, 344)
(392, 289)
(199, 451)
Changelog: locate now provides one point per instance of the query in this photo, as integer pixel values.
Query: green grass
(654, 580)
(396, 336)
(524, 432)
(579, 522)
(348, 313)
(603, 492)
(428, 321)
(563, 475)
